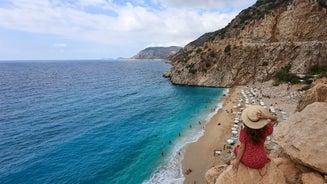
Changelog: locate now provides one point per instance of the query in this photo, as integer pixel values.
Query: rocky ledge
(298, 149)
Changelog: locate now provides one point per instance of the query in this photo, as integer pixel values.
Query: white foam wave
(211, 114)
(170, 172)
(217, 107)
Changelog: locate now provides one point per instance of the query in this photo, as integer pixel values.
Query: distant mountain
(157, 52)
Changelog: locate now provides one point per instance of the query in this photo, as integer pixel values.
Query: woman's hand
(261, 115)
(235, 164)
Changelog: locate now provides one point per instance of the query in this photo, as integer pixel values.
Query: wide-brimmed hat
(250, 119)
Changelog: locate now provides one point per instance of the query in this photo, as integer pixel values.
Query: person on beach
(258, 125)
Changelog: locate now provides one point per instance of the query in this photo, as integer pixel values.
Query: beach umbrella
(230, 141)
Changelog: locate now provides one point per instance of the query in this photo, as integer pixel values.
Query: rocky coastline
(297, 148)
(246, 56)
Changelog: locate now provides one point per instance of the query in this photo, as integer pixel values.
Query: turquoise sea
(100, 121)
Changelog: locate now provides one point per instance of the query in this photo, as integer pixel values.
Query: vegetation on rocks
(284, 75)
(323, 3)
(316, 71)
(319, 70)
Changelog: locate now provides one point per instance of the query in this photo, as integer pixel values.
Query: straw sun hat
(250, 119)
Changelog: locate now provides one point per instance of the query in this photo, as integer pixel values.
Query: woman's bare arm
(239, 155)
(266, 116)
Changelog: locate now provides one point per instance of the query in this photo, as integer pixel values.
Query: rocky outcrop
(245, 175)
(316, 94)
(302, 136)
(298, 152)
(213, 173)
(256, 45)
(291, 171)
(157, 52)
(288, 168)
(312, 178)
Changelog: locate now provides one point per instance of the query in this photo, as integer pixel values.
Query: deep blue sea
(114, 121)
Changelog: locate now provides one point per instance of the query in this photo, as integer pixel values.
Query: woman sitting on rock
(258, 125)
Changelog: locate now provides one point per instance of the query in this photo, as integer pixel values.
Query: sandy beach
(200, 156)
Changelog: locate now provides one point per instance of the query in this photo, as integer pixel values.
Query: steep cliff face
(255, 45)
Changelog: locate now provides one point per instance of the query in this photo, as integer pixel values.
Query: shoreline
(171, 168)
(199, 156)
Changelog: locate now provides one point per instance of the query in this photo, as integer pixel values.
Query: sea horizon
(78, 60)
(97, 121)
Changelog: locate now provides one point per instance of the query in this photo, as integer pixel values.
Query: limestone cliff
(317, 94)
(255, 45)
(301, 136)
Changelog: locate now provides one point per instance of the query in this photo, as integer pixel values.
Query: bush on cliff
(320, 70)
(323, 3)
(284, 75)
(227, 49)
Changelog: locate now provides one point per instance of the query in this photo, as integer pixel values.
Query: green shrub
(245, 15)
(322, 3)
(308, 79)
(320, 70)
(208, 64)
(227, 49)
(199, 50)
(213, 54)
(190, 66)
(287, 68)
(265, 63)
(304, 88)
(192, 71)
(285, 76)
(187, 53)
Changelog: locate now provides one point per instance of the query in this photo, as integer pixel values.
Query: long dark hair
(255, 134)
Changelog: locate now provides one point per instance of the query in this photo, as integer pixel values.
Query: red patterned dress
(255, 155)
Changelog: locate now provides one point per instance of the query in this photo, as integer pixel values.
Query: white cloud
(171, 23)
(204, 4)
(91, 2)
(60, 45)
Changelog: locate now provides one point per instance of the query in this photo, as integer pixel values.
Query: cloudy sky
(95, 29)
